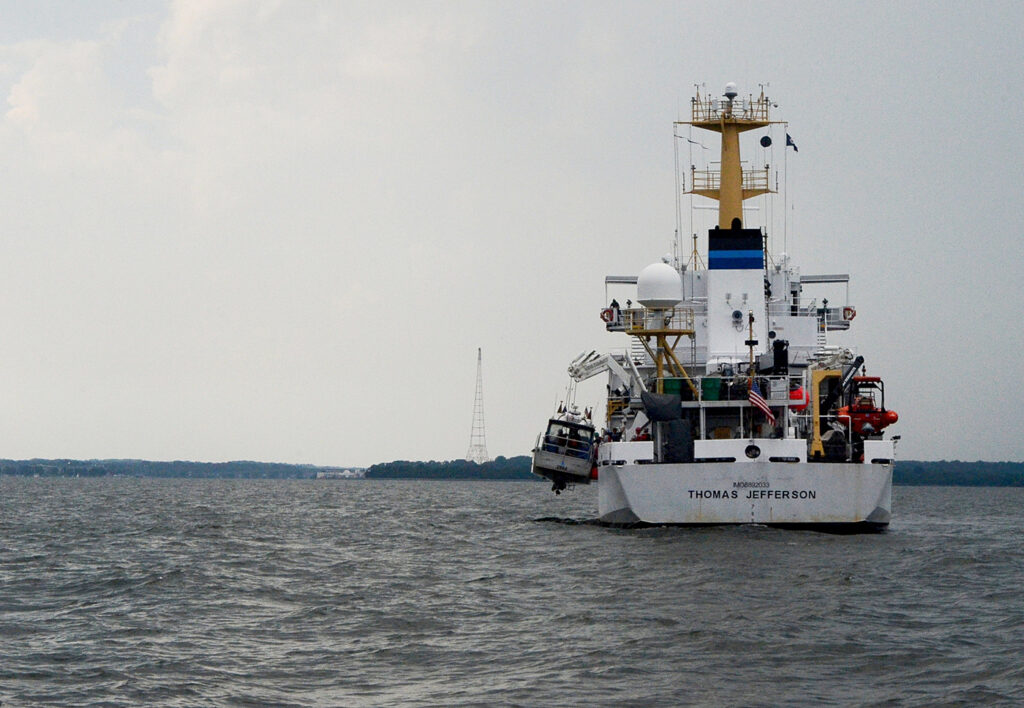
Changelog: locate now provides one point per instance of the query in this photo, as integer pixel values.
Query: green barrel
(710, 387)
(672, 385)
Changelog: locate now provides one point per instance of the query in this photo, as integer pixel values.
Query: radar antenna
(477, 438)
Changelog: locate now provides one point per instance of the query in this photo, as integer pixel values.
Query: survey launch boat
(729, 404)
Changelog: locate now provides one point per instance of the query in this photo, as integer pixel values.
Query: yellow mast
(730, 185)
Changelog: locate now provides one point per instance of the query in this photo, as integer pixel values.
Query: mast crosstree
(478, 438)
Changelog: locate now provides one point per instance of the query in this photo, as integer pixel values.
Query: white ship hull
(843, 496)
(802, 494)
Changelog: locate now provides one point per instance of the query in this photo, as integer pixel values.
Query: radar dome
(730, 90)
(659, 285)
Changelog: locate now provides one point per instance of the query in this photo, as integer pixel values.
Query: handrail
(567, 446)
(709, 180)
(735, 388)
(704, 110)
(671, 319)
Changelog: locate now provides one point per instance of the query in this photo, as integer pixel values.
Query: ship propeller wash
(727, 405)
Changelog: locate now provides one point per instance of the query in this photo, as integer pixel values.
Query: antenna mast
(477, 438)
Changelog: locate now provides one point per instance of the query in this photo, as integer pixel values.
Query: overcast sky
(279, 231)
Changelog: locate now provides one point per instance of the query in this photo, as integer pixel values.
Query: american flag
(756, 399)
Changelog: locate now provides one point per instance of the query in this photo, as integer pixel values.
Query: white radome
(659, 285)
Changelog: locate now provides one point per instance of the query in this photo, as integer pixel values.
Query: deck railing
(711, 180)
(741, 108)
(651, 320)
(566, 445)
(774, 389)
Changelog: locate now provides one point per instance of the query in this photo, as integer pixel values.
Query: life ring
(849, 313)
(607, 314)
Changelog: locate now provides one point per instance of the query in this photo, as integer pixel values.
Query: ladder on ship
(636, 351)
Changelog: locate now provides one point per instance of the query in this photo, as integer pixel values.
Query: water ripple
(243, 593)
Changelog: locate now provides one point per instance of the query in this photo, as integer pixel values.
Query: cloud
(242, 228)
(61, 106)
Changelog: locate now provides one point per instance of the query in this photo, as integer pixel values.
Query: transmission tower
(477, 438)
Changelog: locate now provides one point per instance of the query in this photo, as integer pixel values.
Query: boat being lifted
(565, 451)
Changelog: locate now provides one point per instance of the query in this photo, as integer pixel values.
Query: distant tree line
(498, 468)
(959, 474)
(146, 468)
(907, 472)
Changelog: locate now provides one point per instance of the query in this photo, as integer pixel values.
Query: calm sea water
(350, 593)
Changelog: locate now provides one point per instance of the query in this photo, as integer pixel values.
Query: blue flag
(790, 143)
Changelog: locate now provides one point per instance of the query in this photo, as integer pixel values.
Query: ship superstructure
(728, 405)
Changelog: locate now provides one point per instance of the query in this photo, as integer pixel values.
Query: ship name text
(754, 494)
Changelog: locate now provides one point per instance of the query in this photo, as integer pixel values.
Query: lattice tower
(478, 438)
